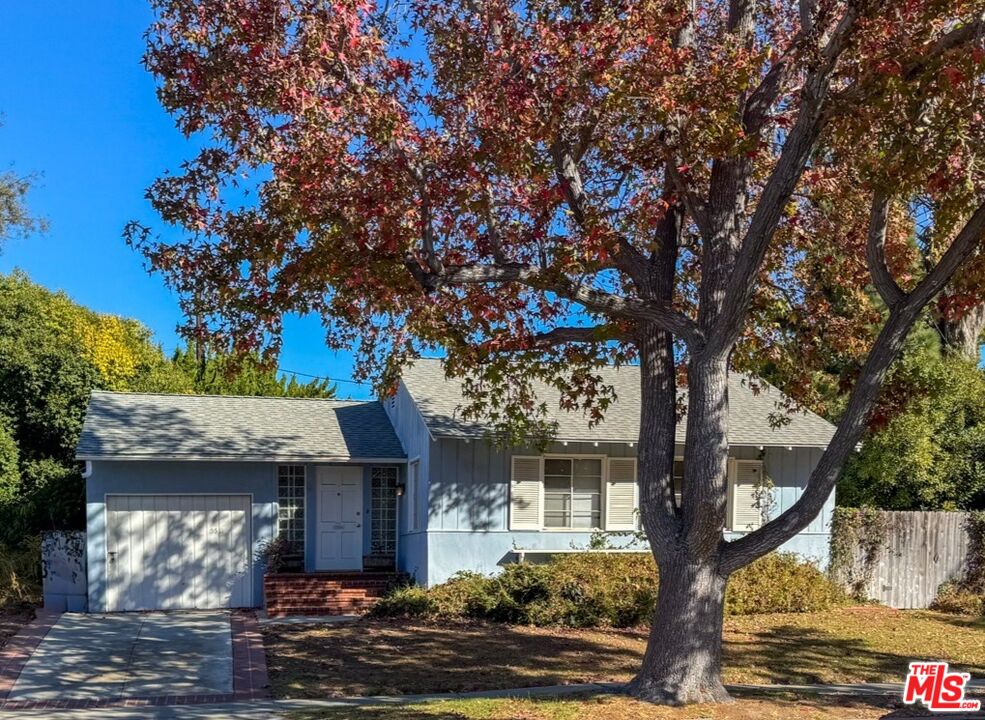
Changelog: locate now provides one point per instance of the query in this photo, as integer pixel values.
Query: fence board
(922, 551)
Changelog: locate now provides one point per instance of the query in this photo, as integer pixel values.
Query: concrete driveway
(102, 657)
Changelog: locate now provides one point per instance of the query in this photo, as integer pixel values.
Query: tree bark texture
(683, 659)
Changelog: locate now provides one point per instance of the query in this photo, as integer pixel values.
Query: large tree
(542, 187)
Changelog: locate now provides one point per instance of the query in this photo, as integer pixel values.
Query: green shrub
(597, 589)
(408, 601)
(954, 598)
(20, 573)
(603, 590)
(779, 583)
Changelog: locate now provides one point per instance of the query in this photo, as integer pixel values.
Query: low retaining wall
(63, 571)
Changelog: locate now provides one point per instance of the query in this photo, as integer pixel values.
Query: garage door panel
(178, 551)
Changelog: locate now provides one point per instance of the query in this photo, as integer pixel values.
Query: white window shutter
(620, 495)
(526, 494)
(746, 514)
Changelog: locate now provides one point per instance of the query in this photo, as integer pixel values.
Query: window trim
(603, 484)
(413, 490)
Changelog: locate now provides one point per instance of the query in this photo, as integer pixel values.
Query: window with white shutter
(621, 495)
(747, 487)
(526, 494)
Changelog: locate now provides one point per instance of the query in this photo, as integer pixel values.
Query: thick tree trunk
(684, 654)
(683, 660)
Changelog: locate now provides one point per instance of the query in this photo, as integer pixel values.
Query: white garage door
(174, 552)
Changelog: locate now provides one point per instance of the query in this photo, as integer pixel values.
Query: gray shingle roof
(148, 426)
(440, 401)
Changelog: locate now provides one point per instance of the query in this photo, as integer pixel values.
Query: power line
(320, 377)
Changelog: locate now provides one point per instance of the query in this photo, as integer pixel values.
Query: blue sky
(79, 110)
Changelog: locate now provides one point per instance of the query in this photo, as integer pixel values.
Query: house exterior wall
(178, 478)
(468, 525)
(175, 478)
(412, 552)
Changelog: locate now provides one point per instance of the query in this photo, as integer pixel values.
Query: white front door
(340, 518)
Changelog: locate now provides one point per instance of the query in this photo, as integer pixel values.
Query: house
(182, 491)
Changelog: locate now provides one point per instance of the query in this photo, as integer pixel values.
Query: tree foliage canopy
(519, 160)
(53, 353)
(930, 454)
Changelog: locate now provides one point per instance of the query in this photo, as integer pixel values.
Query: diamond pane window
(383, 536)
(290, 501)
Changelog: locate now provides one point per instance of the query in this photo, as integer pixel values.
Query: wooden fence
(922, 550)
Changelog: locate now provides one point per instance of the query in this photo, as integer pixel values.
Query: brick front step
(347, 585)
(326, 593)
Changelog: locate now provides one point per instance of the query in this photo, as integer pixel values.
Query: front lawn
(613, 707)
(858, 644)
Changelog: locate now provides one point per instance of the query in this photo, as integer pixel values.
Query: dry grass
(611, 707)
(849, 645)
(866, 644)
(13, 619)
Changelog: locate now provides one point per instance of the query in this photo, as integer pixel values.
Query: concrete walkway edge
(264, 708)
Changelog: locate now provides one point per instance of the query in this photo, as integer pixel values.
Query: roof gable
(440, 402)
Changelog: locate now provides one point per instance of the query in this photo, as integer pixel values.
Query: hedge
(598, 589)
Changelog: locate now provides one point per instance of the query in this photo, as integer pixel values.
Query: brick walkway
(249, 670)
(19, 648)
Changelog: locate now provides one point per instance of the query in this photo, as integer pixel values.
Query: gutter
(244, 458)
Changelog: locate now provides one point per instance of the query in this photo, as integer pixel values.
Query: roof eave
(627, 441)
(241, 458)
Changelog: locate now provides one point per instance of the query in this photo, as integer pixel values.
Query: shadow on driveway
(130, 655)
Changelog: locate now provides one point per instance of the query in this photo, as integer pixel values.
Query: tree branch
(875, 252)
(959, 36)
(779, 187)
(628, 258)
(591, 299)
(852, 426)
(562, 335)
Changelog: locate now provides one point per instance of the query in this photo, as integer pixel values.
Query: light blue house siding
(412, 545)
(134, 477)
(469, 515)
(175, 478)
(468, 499)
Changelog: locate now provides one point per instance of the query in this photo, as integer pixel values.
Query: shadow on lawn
(790, 654)
(390, 658)
(964, 622)
(377, 658)
(12, 619)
